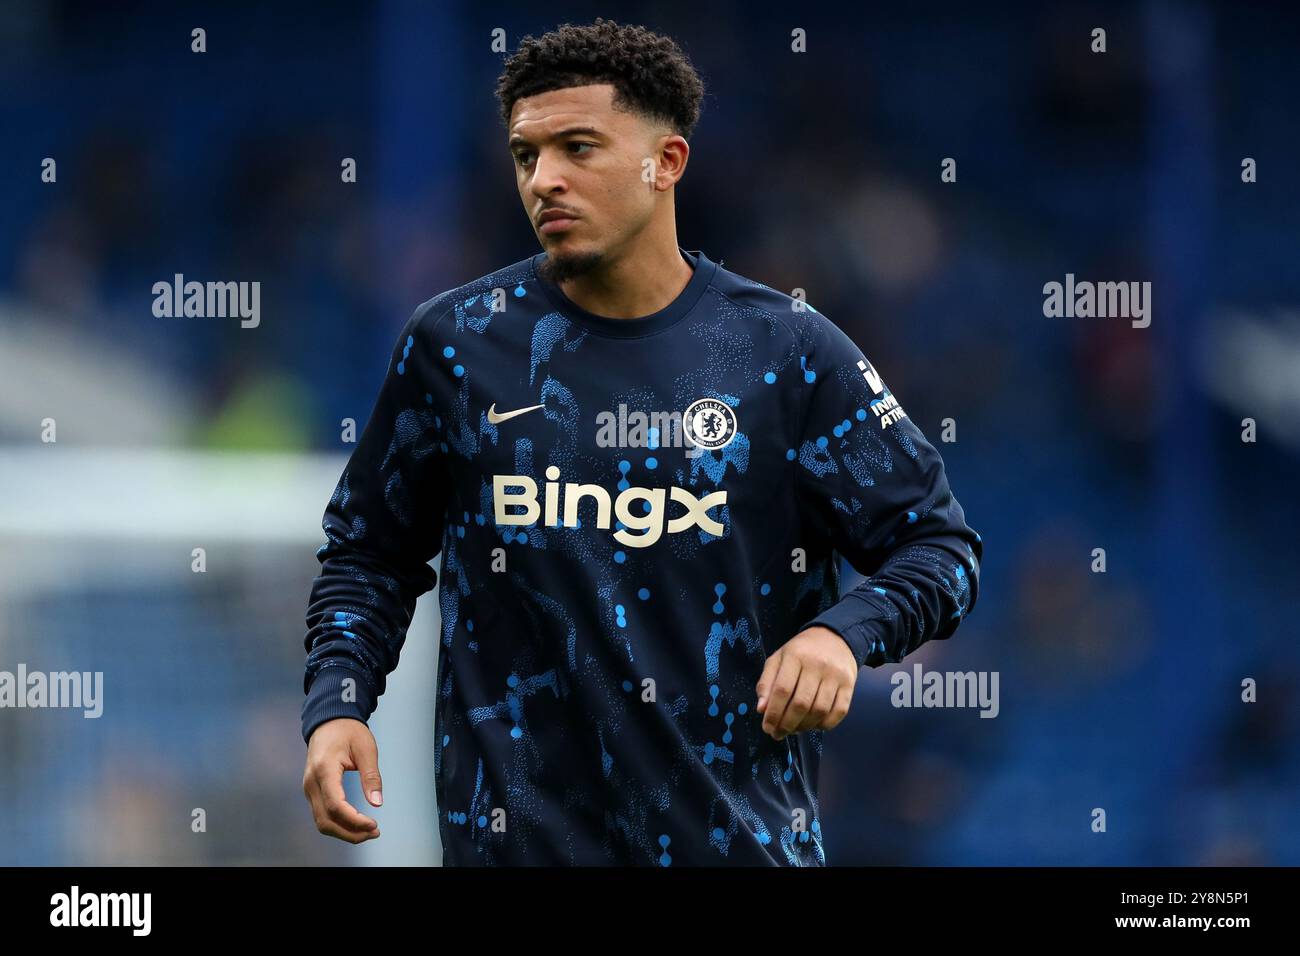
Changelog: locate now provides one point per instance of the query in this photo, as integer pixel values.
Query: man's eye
(588, 145)
(521, 157)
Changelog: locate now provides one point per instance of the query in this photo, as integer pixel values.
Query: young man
(638, 467)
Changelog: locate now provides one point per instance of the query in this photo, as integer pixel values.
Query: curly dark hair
(651, 75)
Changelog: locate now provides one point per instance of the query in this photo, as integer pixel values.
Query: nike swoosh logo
(494, 416)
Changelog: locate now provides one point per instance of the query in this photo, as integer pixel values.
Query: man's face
(576, 155)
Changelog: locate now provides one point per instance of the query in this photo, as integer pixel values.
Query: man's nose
(546, 175)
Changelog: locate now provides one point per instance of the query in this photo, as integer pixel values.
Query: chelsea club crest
(709, 424)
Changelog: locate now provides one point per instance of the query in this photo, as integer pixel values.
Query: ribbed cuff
(325, 699)
(852, 618)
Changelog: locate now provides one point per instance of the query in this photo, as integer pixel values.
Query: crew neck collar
(642, 325)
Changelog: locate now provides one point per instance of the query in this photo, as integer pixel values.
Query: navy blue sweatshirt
(632, 515)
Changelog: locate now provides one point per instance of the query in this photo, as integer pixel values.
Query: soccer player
(639, 468)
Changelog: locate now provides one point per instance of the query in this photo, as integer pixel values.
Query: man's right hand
(336, 746)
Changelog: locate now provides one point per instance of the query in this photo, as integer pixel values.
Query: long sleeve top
(632, 515)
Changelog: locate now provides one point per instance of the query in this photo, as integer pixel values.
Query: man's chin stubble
(568, 266)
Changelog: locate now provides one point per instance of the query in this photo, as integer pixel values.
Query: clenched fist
(807, 684)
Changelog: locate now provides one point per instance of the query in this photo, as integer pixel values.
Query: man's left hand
(807, 684)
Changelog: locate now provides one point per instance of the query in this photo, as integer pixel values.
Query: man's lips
(557, 224)
(555, 220)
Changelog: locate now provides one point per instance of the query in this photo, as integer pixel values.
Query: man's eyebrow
(517, 140)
